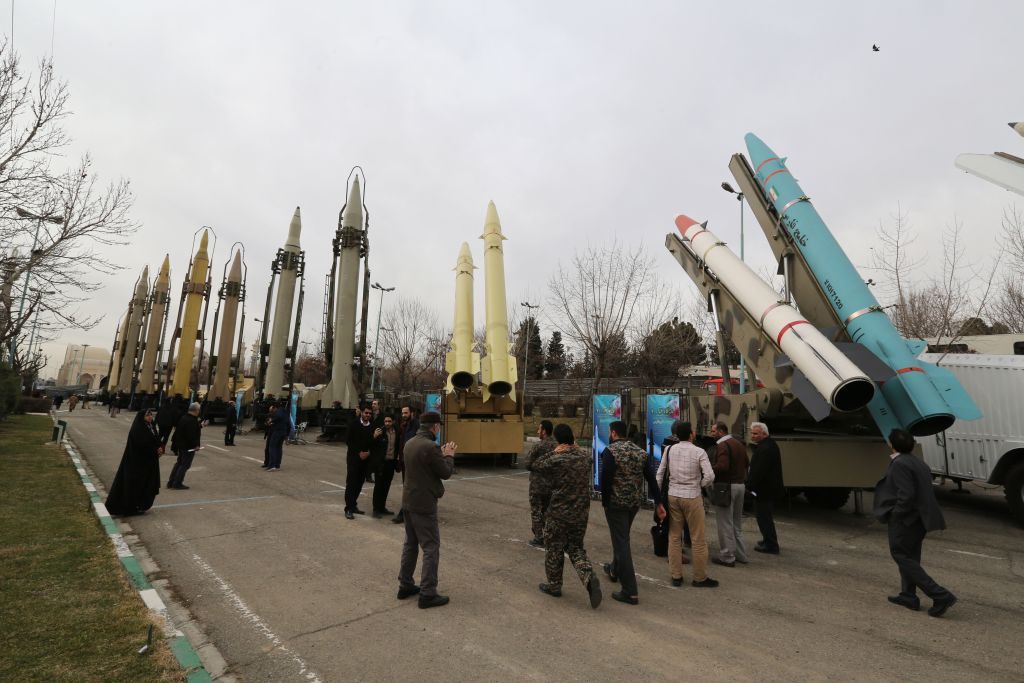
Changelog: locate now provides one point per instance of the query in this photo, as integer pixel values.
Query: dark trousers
(181, 466)
(382, 485)
(354, 478)
(764, 508)
(266, 449)
(620, 521)
(421, 531)
(905, 547)
(229, 435)
(275, 447)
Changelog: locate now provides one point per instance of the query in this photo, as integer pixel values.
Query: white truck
(990, 449)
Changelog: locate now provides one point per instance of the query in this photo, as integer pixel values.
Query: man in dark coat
(230, 424)
(387, 447)
(426, 465)
(765, 481)
(905, 500)
(185, 443)
(277, 432)
(167, 418)
(408, 426)
(359, 441)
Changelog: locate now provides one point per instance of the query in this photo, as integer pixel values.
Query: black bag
(721, 492)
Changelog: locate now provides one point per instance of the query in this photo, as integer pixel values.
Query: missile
(155, 327)
(229, 317)
(289, 263)
(130, 344)
(195, 289)
(920, 397)
(115, 356)
(833, 375)
(499, 367)
(1017, 126)
(462, 363)
(350, 239)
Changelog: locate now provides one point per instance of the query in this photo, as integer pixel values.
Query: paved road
(290, 591)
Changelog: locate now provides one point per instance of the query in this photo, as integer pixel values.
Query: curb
(181, 648)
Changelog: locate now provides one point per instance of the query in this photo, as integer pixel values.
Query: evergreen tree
(554, 360)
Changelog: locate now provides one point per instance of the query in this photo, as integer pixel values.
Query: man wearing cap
(426, 465)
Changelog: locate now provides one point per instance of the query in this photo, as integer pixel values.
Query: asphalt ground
(289, 590)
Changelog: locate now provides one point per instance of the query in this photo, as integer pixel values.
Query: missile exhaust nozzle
(499, 388)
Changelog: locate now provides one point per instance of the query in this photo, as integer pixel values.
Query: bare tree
(51, 220)
(413, 342)
(594, 300)
(1008, 304)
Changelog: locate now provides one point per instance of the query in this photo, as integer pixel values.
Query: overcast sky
(585, 122)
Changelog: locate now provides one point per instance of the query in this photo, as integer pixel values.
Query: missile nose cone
(236, 268)
(165, 269)
(203, 243)
(1017, 126)
(465, 257)
(145, 272)
(354, 208)
(492, 225)
(294, 229)
(757, 150)
(684, 223)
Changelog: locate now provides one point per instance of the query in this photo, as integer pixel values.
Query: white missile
(462, 363)
(130, 344)
(283, 305)
(839, 381)
(229, 318)
(154, 327)
(499, 367)
(341, 387)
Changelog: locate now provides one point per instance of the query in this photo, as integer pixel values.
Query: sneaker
(536, 542)
(721, 562)
(433, 601)
(911, 603)
(594, 589)
(608, 570)
(677, 582)
(622, 597)
(553, 592)
(274, 469)
(404, 592)
(706, 583)
(940, 606)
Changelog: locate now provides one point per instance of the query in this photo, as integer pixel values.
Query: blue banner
(434, 403)
(239, 395)
(607, 409)
(662, 411)
(294, 405)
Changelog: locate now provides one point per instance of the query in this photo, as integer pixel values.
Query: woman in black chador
(138, 476)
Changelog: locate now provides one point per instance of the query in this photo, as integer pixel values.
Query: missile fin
(809, 397)
(875, 368)
(952, 392)
(917, 346)
(783, 361)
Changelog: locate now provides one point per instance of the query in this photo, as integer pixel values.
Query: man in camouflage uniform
(624, 466)
(566, 471)
(540, 495)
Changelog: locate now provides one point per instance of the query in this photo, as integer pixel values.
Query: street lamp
(35, 324)
(81, 366)
(376, 348)
(739, 196)
(526, 359)
(25, 213)
(259, 353)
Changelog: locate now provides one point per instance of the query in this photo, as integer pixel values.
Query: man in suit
(765, 482)
(905, 500)
(359, 442)
(426, 465)
(230, 424)
(408, 426)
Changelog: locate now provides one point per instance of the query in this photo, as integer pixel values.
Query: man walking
(540, 495)
(905, 500)
(230, 424)
(566, 472)
(426, 465)
(765, 482)
(360, 440)
(408, 428)
(280, 427)
(624, 466)
(688, 470)
(185, 443)
(387, 447)
(730, 466)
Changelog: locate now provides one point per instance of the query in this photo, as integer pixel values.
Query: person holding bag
(731, 462)
(684, 470)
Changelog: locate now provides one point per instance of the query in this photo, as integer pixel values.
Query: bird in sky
(875, 48)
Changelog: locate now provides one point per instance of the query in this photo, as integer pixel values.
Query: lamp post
(739, 196)
(259, 353)
(376, 348)
(25, 213)
(35, 324)
(71, 368)
(526, 359)
(81, 366)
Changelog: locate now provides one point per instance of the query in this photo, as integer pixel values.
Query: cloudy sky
(586, 122)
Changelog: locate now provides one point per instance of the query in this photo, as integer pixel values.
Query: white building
(84, 365)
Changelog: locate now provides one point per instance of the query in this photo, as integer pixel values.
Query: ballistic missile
(155, 327)
(115, 366)
(499, 367)
(341, 387)
(229, 317)
(195, 294)
(283, 304)
(839, 381)
(920, 397)
(462, 363)
(1017, 126)
(130, 344)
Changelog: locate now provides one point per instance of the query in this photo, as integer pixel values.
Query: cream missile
(499, 367)
(130, 344)
(115, 368)
(195, 294)
(1017, 126)
(462, 363)
(154, 327)
(229, 319)
(342, 388)
(283, 305)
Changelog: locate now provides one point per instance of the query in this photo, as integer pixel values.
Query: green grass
(67, 611)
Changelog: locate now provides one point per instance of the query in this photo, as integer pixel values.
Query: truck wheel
(1015, 492)
(828, 498)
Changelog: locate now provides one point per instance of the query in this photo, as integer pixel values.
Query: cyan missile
(920, 397)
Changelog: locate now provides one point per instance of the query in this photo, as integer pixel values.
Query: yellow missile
(462, 363)
(226, 343)
(195, 293)
(499, 367)
(130, 343)
(155, 326)
(115, 368)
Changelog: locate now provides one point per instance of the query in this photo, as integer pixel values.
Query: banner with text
(607, 409)
(662, 411)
